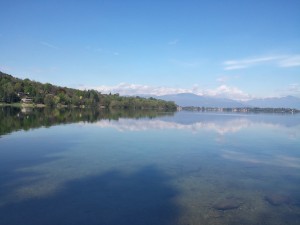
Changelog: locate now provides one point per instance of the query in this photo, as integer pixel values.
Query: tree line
(16, 118)
(13, 89)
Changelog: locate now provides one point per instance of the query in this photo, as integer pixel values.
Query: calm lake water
(118, 168)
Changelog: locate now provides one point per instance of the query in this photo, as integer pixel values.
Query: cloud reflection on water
(229, 125)
(274, 160)
(94, 156)
(221, 127)
(123, 125)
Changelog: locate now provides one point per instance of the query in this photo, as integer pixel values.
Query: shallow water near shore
(86, 167)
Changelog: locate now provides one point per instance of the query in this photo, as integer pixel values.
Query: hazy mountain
(284, 102)
(188, 99)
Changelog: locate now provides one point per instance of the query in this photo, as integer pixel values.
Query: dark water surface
(133, 168)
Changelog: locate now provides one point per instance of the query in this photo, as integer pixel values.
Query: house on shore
(26, 100)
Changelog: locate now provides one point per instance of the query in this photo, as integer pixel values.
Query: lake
(125, 167)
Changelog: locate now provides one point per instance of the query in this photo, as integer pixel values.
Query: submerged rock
(277, 199)
(227, 203)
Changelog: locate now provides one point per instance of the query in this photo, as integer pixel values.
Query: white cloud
(139, 89)
(219, 126)
(245, 63)
(222, 128)
(48, 45)
(290, 61)
(223, 91)
(278, 60)
(222, 79)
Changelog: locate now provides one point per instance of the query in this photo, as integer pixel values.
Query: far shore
(198, 109)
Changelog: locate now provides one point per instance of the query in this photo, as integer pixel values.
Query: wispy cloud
(245, 63)
(277, 60)
(48, 45)
(173, 42)
(223, 91)
(291, 89)
(290, 61)
(225, 79)
(267, 159)
(186, 64)
(222, 79)
(294, 88)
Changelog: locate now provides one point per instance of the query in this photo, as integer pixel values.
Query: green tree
(49, 100)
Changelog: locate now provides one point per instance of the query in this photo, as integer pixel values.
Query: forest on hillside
(13, 90)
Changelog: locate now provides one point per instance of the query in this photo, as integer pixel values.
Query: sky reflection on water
(194, 160)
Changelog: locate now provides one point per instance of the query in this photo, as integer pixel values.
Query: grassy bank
(21, 105)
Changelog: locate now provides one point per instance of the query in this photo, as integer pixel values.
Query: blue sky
(236, 49)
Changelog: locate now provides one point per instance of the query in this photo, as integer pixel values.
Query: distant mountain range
(284, 102)
(188, 99)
